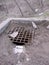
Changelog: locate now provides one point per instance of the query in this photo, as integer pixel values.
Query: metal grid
(24, 36)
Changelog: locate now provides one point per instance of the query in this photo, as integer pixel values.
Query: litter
(13, 35)
(34, 25)
(18, 49)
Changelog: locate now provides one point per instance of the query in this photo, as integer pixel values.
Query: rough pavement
(36, 53)
(22, 8)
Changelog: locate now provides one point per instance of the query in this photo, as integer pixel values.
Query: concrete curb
(5, 23)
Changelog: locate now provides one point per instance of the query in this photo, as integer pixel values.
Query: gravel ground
(36, 53)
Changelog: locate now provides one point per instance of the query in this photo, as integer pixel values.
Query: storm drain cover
(23, 36)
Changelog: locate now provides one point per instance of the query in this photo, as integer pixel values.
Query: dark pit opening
(19, 43)
(22, 37)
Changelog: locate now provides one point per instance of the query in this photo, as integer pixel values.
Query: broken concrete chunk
(13, 35)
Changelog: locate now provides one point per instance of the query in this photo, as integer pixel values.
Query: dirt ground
(36, 53)
(22, 8)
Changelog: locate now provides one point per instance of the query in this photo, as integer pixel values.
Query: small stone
(27, 59)
(47, 27)
(36, 10)
(40, 13)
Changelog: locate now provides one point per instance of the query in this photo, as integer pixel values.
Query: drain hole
(19, 43)
(20, 34)
(26, 41)
(22, 41)
(22, 38)
(14, 39)
(18, 40)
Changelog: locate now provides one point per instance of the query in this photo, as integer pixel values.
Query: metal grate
(24, 36)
